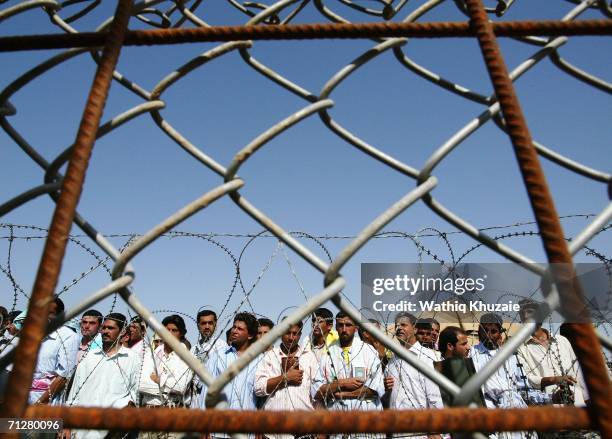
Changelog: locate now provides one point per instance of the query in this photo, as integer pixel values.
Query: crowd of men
(108, 361)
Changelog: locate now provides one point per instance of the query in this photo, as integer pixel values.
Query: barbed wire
(262, 19)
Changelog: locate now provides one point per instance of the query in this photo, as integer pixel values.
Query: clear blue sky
(307, 179)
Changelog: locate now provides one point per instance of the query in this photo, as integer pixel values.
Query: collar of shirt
(482, 349)
(299, 351)
(416, 348)
(122, 352)
(230, 350)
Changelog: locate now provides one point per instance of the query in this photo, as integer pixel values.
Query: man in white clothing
(410, 389)
(285, 375)
(350, 377)
(91, 320)
(550, 362)
(56, 359)
(501, 390)
(106, 377)
(207, 344)
(323, 334)
(135, 334)
(165, 377)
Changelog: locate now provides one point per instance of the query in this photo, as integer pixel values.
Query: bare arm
(341, 385)
(56, 386)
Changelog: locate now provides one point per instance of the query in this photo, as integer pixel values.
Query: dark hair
(324, 314)
(93, 313)
(3, 316)
(139, 321)
(361, 330)
(405, 315)
(119, 318)
(177, 321)
(491, 318)
(342, 315)
(541, 310)
(565, 330)
(11, 316)
(423, 323)
(205, 313)
(449, 335)
(59, 303)
(434, 322)
(300, 323)
(250, 320)
(264, 321)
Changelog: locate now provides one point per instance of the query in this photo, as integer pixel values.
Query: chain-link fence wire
(29, 233)
(122, 273)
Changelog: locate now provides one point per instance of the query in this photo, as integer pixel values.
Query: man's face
(174, 330)
(435, 332)
(404, 331)
(461, 348)
(110, 332)
(135, 332)
(207, 326)
(346, 330)
(262, 330)
(527, 312)
(239, 335)
(89, 326)
(490, 335)
(291, 338)
(423, 335)
(320, 327)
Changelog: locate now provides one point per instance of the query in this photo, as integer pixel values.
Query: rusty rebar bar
(584, 341)
(307, 31)
(319, 421)
(36, 321)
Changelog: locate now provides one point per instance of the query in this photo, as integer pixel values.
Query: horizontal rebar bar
(306, 31)
(318, 421)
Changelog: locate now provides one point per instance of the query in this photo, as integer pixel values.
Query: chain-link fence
(185, 22)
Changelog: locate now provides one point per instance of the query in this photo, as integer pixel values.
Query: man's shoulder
(563, 343)
(307, 354)
(66, 332)
(478, 349)
(130, 354)
(367, 349)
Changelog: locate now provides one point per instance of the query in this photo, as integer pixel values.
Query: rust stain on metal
(307, 31)
(319, 421)
(584, 340)
(55, 246)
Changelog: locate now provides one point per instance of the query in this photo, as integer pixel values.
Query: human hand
(350, 384)
(294, 377)
(389, 381)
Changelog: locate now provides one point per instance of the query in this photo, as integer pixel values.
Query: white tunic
(102, 381)
(557, 359)
(363, 361)
(289, 397)
(174, 377)
(411, 389)
(501, 389)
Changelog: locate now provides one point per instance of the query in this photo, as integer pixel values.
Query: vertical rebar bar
(584, 341)
(55, 246)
